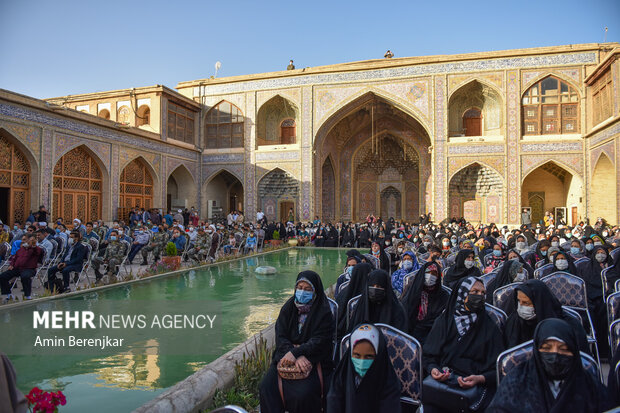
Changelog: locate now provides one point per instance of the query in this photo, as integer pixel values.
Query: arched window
(104, 113)
(224, 126)
(472, 122)
(550, 107)
(288, 131)
(144, 115)
(123, 115)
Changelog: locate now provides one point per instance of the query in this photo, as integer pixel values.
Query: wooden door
(285, 206)
(15, 179)
(574, 216)
(472, 122)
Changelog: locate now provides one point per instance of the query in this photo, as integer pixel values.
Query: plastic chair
(613, 307)
(343, 286)
(408, 279)
(617, 285)
(502, 295)
(614, 337)
(333, 305)
(486, 261)
(373, 260)
(517, 355)
(487, 278)
(614, 253)
(498, 316)
(607, 288)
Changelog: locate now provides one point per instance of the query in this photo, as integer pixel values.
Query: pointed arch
(475, 93)
(79, 180)
(482, 163)
(223, 193)
(358, 99)
(544, 161)
(551, 106)
(603, 189)
(269, 118)
(480, 80)
(77, 144)
(278, 192)
(219, 171)
(546, 74)
(476, 192)
(328, 188)
(224, 126)
(18, 179)
(138, 186)
(181, 189)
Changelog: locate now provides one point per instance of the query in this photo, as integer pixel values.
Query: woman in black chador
(357, 285)
(464, 266)
(378, 303)
(365, 381)
(304, 333)
(553, 380)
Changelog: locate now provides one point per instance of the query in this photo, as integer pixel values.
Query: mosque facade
(483, 135)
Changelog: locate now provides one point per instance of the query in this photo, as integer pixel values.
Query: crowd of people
(435, 282)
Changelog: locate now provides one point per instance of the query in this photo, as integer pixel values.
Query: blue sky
(53, 48)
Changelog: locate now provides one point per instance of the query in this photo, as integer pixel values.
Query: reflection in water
(126, 380)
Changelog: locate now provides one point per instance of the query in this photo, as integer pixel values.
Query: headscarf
(546, 305)
(526, 387)
(572, 269)
(357, 285)
(318, 326)
(389, 311)
(458, 270)
(505, 276)
(411, 300)
(463, 318)
(378, 391)
(591, 274)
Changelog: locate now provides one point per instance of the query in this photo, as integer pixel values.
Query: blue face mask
(589, 247)
(407, 265)
(349, 270)
(544, 253)
(303, 297)
(57, 231)
(112, 238)
(401, 235)
(361, 366)
(497, 253)
(574, 250)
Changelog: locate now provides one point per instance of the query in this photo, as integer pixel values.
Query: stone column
(249, 159)
(440, 164)
(513, 175)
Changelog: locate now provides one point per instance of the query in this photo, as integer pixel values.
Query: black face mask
(376, 294)
(556, 365)
(475, 302)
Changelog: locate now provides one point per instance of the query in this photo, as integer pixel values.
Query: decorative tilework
(274, 156)
(249, 184)
(414, 93)
(64, 143)
(128, 155)
(307, 206)
(115, 180)
(439, 146)
(329, 100)
(408, 71)
(23, 113)
(574, 74)
(605, 134)
(223, 158)
(47, 168)
(527, 77)
(211, 170)
(469, 148)
(457, 163)
(292, 95)
(29, 135)
(573, 163)
(609, 149)
(174, 163)
(237, 99)
(291, 167)
(551, 147)
(512, 139)
(494, 79)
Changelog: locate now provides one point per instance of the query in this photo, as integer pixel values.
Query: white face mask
(446, 243)
(429, 279)
(520, 277)
(407, 265)
(469, 264)
(521, 245)
(600, 257)
(555, 244)
(597, 243)
(70, 241)
(400, 250)
(525, 312)
(561, 264)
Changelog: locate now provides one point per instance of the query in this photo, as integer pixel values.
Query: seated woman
(364, 380)
(378, 304)
(376, 249)
(553, 380)
(511, 272)
(304, 333)
(424, 300)
(514, 255)
(591, 274)
(464, 266)
(357, 285)
(521, 244)
(408, 265)
(532, 303)
(577, 249)
(563, 261)
(352, 261)
(497, 258)
(461, 350)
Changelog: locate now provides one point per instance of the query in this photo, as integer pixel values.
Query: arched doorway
(223, 194)
(277, 193)
(276, 122)
(475, 109)
(329, 191)
(391, 201)
(603, 190)
(180, 189)
(372, 144)
(136, 188)
(14, 183)
(78, 183)
(552, 188)
(476, 194)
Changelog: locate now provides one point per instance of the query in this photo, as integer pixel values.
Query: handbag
(293, 373)
(453, 397)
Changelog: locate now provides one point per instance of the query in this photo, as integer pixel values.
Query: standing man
(526, 217)
(24, 265)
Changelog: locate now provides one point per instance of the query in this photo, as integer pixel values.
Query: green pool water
(122, 382)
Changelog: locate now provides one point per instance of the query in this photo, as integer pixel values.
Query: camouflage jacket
(115, 249)
(159, 239)
(203, 241)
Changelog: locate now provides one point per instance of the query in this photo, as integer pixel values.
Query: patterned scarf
(463, 318)
(423, 309)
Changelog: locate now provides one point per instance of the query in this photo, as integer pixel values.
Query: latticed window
(224, 126)
(77, 187)
(180, 123)
(602, 92)
(14, 182)
(136, 186)
(551, 107)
